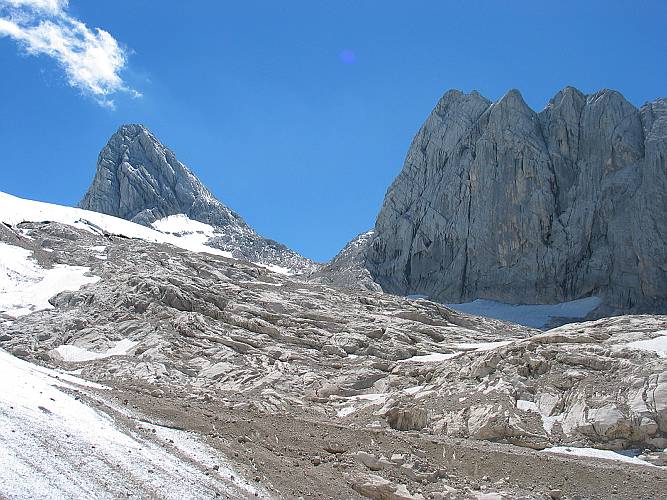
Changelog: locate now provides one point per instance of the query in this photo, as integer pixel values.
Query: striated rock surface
(598, 383)
(326, 392)
(499, 202)
(141, 180)
(215, 326)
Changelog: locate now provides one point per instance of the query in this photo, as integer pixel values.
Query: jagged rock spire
(139, 179)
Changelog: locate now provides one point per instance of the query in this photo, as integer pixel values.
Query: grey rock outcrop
(212, 326)
(348, 268)
(499, 202)
(141, 180)
(302, 383)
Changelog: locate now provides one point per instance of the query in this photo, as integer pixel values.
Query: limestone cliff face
(139, 179)
(497, 201)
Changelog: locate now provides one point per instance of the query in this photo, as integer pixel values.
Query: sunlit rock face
(156, 317)
(500, 202)
(141, 180)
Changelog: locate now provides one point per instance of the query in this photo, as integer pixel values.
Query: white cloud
(48, 6)
(91, 58)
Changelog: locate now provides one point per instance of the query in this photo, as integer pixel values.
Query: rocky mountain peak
(605, 96)
(512, 98)
(496, 201)
(141, 180)
(133, 130)
(455, 101)
(568, 102)
(569, 92)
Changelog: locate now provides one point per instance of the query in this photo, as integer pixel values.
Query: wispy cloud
(91, 58)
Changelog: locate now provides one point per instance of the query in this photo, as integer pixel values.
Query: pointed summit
(569, 98)
(141, 180)
(513, 100)
(512, 95)
(455, 101)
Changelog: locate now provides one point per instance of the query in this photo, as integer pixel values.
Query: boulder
(406, 419)
(378, 488)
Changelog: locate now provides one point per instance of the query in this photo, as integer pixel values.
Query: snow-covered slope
(658, 344)
(182, 226)
(26, 287)
(533, 315)
(275, 372)
(56, 446)
(14, 210)
(178, 230)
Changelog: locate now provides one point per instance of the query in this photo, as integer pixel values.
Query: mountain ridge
(496, 201)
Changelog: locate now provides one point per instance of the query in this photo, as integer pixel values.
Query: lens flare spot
(348, 57)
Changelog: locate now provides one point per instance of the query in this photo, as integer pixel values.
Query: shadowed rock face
(141, 180)
(348, 268)
(497, 201)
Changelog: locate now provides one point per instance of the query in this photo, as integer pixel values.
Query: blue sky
(297, 114)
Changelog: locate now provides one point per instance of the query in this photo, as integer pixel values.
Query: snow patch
(461, 347)
(524, 405)
(26, 287)
(434, 357)
(276, 268)
(657, 344)
(55, 446)
(532, 315)
(14, 210)
(74, 354)
(181, 226)
(595, 453)
(189, 444)
(481, 346)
